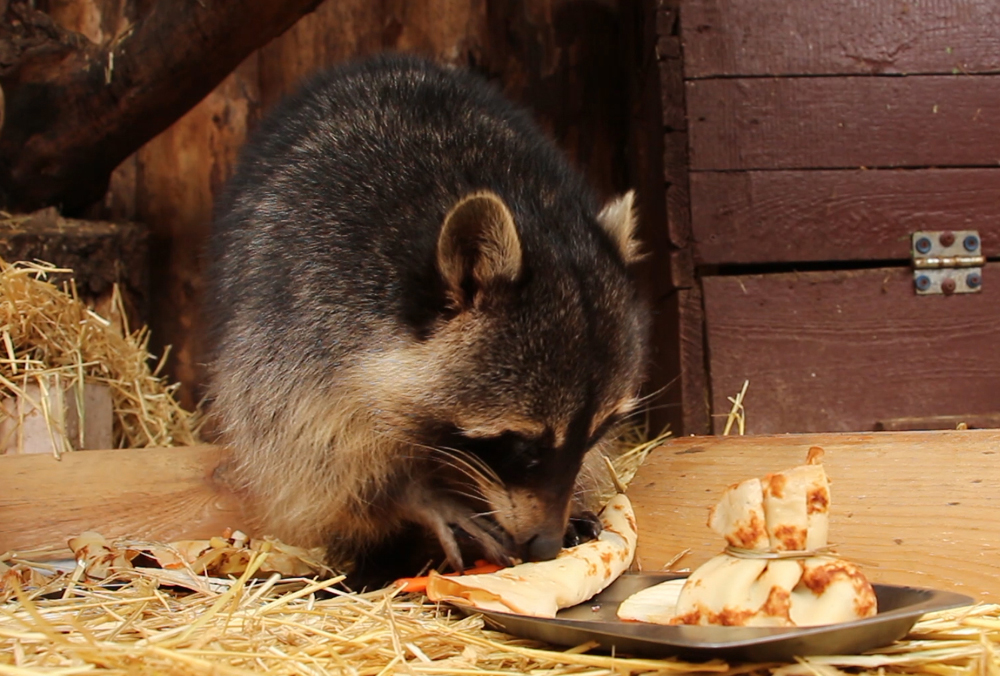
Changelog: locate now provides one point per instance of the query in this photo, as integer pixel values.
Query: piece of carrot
(419, 584)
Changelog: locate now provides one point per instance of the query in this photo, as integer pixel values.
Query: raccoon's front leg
(443, 516)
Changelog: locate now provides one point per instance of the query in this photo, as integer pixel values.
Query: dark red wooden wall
(818, 137)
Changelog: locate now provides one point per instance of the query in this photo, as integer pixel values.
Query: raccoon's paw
(451, 521)
(583, 526)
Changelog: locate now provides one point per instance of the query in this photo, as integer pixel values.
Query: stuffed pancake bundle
(775, 571)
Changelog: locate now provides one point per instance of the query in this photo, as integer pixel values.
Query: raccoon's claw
(449, 521)
(487, 540)
(583, 526)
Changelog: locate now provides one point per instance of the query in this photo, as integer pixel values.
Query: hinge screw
(947, 238)
(971, 243)
(948, 286)
(923, 282)
(924, 244)
(974, 280)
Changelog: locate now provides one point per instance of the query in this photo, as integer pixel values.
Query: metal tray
(898, 610)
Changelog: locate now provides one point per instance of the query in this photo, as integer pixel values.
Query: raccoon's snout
(544, 546)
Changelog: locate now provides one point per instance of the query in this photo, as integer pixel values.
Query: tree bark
(75, 109)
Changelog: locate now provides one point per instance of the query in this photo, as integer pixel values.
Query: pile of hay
(50, 337)
(308, 627)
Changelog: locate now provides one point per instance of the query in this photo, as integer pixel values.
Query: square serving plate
(596, 620)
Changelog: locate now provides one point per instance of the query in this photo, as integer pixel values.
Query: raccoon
(422, 321)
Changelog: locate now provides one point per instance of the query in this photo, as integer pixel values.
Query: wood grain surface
(836, 215)
(844, 122)
(806, 37)
(839, 351)
(917, 508)
(160, 494)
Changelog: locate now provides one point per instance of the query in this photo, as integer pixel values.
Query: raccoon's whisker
(478, 463)
(655, 393)
(466, 468)
(467, 494)
(458, 460)
(475, 466)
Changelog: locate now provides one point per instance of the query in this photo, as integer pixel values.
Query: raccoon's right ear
(478, 245)
(619, 221)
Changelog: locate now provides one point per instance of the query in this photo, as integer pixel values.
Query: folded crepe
(775, 571)
(542, 588)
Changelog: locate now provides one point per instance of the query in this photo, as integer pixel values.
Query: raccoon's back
(334, 212)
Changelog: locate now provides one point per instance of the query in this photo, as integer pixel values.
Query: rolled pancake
(541, 588)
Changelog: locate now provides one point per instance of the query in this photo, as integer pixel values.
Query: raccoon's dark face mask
(528, 487)
(540, 354)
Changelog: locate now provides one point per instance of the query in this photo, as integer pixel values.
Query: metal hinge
(947, 262)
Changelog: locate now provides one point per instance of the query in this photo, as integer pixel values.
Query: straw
(52, 340)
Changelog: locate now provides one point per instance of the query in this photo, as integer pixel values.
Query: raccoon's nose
(543, 546)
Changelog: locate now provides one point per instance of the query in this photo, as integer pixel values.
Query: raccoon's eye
(525, 452)
(509, 454)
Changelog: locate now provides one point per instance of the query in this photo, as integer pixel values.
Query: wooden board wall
(562, 58)
(826, 134)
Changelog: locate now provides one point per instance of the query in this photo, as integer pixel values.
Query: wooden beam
(843, 350)
(844, 122)
(917, 508)
(161, 494)
(812, 37)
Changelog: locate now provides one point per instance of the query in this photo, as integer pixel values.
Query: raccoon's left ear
(478, 244)
(619, 221)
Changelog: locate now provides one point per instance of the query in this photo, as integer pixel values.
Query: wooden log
(813, 37)
(844, 122)
(100, 253)
(842, 350)
(831, 215)
(161, 494)
(916, 508)
(76, 109)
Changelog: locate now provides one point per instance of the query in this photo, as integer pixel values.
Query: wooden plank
(677, 178)
(811, 37)
(922, 506)
(694, 378)
(939, 422)
(671, 67)
(162, 494)
(844, 122)
(836, 215)
(645, 174)
(839, 351)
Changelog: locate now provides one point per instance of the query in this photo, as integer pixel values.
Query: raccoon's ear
(619, 221)
(478, 244)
